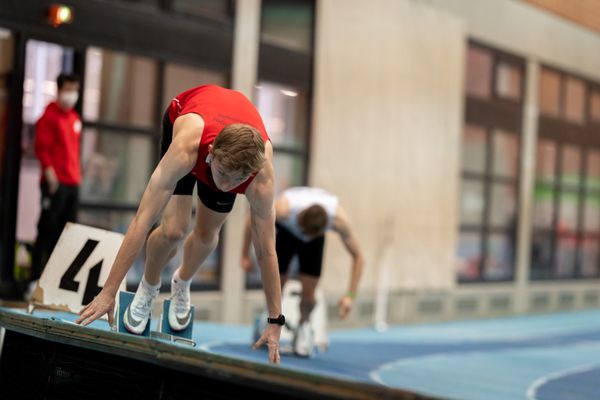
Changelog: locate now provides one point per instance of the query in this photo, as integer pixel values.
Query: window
(488, 205)
(290, 171)
(474, 149)
(549, 93)
(564, 97)
(508, 81)
(6, 68)
(490, 166)
(595, 107)
(6, 65)
(479, 72)
(110, 174)
(216, 9)
(285, 116)
(44, 62)
(118, 141)
(288, 24)
(120, 89)
(154, 3)
(120, 126)
(566, 234)
(574, 100)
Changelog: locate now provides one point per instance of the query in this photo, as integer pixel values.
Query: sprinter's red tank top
(218, 107)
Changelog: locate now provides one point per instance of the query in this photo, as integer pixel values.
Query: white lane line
(534, 387)
(375, 373)
(208, 345)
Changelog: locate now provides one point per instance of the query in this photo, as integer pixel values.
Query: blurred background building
(462, 136)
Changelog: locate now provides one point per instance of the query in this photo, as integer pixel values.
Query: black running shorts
(310, 254)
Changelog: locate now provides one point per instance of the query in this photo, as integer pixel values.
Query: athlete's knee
(172, 233)
(206, 237)
(309, 286)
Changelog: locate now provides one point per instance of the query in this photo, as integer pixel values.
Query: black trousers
(57, 209)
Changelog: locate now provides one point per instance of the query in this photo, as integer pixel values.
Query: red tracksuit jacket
(57, 143)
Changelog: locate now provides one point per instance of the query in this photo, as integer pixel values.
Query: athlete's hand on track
(270, 337)
(103, 303)
(344, 306)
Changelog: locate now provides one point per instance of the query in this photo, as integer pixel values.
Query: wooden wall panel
(582, 12)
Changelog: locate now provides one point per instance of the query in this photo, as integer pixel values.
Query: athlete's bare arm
(281, 212)
(260, 195)
(176, 163)
(246, 259)
(341, 225)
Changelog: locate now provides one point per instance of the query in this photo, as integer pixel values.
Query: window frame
(585, 137)
(494, 114)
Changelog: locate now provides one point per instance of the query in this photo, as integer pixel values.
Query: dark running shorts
(310, 254)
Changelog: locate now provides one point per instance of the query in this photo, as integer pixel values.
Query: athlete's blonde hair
(240, 149)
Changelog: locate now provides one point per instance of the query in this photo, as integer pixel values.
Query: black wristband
(280, 320)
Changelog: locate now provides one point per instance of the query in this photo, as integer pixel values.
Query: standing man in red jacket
(57, 147)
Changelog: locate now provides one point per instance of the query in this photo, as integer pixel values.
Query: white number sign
(77, 268)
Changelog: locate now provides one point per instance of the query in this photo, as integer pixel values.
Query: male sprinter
(303, 216)
(215, 139)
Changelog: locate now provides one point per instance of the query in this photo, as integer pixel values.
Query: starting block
(290, 303)
(172, 338)
(165, 327)
(125, 299)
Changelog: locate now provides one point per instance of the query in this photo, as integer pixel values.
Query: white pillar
(527, 185)
(243, 78)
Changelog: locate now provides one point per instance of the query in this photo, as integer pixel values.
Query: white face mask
(68, 99)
